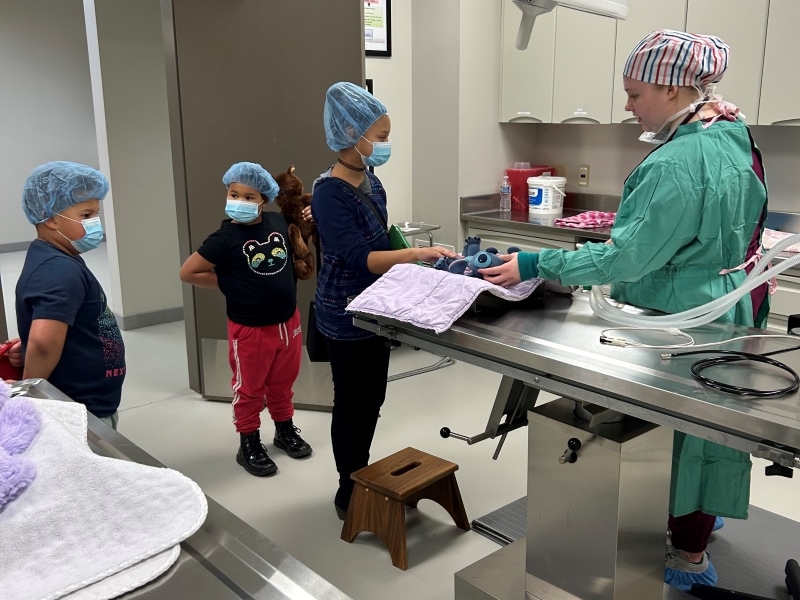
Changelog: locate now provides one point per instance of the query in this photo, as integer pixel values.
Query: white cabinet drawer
(502, 241)
(786, 300)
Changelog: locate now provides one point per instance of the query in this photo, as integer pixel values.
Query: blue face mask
(242, 211)
(381, 151)
(91, 239)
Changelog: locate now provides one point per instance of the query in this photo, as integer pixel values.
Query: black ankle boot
(253, 456)
(287, 437)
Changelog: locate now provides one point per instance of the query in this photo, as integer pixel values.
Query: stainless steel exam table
(226, 559)
(597, 514)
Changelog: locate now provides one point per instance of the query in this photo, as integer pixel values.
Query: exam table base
(597, 506)
(501, 576)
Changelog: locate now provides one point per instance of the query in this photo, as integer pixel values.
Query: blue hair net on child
(253, 175)
(55, 186)
(349, 112)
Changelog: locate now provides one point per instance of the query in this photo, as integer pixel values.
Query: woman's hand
(433, 253)
(307, 216)
(506, 274)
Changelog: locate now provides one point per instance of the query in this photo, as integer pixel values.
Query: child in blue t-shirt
(68, 335)
(249, 259)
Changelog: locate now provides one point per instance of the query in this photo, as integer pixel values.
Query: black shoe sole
(301, 454)
(258, 473)
(340, 512)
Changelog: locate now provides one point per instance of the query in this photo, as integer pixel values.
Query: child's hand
(432, 254)
(307, 216)
(15, 353)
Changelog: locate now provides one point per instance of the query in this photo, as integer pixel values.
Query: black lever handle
(571, 454)
(776, 469)
(446, 433)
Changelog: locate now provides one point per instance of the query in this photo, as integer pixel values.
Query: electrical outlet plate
(583, 176)
(560, 171)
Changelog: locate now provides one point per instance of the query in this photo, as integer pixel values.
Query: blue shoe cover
(719, 523)
(684, 580)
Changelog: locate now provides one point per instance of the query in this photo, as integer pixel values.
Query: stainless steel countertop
(557, 349)
(537, 225)
(225, 558)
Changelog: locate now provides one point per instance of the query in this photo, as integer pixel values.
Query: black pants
(359, 369)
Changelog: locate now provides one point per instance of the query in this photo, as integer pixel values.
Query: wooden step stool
(383, 490)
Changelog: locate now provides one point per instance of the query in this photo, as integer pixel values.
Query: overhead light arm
(531, 9)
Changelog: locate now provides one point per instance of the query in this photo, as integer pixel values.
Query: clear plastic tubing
(702, 314)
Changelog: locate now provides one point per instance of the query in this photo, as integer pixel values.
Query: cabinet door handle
(525, 119)
(786, 122)
(579, 120)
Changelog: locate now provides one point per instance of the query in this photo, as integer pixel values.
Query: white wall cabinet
(526, 94)
(583, 82)
(571, 71)
(780, 84)
(643, 17)
(743, 25)
(565, 75)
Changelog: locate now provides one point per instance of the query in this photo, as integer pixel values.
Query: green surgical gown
(688, 211)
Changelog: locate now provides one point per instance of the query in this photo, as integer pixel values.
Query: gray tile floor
(295, 508)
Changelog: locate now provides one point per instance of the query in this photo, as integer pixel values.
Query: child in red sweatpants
(248, 258)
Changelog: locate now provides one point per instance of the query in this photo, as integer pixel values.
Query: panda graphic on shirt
(266, 258)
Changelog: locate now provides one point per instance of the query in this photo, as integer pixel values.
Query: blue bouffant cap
(55, 186)
(349, 111)
(255, 176)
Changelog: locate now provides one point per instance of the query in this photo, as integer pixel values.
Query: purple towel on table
(429, 298)
(19, 424)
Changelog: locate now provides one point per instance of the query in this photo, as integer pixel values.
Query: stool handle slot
(406, 468)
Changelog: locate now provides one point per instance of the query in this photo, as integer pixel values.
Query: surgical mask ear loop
(670, 126)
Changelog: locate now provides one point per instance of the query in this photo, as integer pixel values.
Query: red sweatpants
(265, 362)
(690, 532)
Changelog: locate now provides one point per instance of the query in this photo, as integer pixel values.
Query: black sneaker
(253, 455)
(287, 438)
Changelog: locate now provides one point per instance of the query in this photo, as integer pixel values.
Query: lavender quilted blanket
(429, 298)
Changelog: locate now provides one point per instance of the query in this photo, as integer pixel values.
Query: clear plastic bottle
(505, 195)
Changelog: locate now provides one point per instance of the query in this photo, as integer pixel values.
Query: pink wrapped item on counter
(772, 237)
(591, 219)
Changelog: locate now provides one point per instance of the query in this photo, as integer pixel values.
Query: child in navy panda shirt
(69, 336)
(248, 258)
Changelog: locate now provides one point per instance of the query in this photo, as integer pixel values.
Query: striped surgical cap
(668, 57)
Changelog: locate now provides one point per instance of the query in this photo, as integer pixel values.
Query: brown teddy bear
(291, 200)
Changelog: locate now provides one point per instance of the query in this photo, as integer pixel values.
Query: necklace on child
(351, 167)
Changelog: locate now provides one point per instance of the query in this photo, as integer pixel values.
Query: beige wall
(392, 85)
(45, 100)
(126, 56)
(435, 102)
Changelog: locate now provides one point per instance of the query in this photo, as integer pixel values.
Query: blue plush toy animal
(473, 259)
